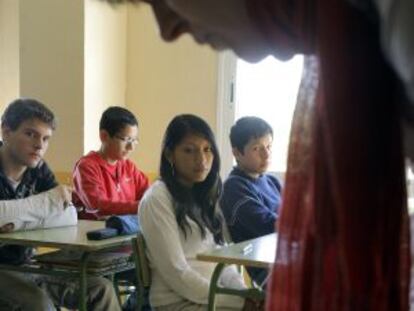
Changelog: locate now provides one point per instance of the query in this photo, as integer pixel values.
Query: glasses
(127, 140)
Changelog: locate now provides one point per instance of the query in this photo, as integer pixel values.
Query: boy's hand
(65, 193)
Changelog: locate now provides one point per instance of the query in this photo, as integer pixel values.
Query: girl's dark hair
(199, 203)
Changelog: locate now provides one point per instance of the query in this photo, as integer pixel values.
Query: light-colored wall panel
(9, 52)
(52, 70)
(80, 57)
(164, 80)
(105, 64)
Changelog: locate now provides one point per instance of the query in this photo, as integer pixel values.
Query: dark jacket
(34, 181)
(250, 205)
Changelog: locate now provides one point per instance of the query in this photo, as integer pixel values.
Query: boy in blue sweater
(251, 198)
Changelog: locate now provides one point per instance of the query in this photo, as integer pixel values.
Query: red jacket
(104, 189)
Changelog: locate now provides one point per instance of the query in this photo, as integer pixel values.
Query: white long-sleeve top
(176, 274)
(43, 210)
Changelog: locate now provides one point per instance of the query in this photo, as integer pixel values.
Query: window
(267, 90)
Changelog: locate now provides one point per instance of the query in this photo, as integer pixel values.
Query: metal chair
(142, 269)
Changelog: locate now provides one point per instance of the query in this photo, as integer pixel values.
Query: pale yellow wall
(9, 51)
(105, 64)
(80, 57)
(52, 70)
(164, 80)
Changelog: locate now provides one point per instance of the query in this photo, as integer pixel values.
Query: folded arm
(33, 208)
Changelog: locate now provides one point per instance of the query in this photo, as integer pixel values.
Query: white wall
(52, 70)
(81, 56)
(9, 52)
(105, 64)
(164, 80)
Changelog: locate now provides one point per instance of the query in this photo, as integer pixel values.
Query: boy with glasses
(105, 181)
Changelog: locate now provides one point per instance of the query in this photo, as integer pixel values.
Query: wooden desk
(259, 253)
(65, 238)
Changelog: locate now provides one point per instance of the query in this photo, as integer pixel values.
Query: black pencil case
(101, 234)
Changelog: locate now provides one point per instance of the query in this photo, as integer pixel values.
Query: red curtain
(343, 232)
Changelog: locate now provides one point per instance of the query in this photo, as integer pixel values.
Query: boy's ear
(236, 153)
(103, 136)
(5, 132)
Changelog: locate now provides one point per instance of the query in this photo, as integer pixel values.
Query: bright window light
(268, 90)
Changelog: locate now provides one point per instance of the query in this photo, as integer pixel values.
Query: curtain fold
(343, 231)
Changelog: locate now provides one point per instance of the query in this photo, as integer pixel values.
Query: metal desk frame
(67, 238)
(259, 253)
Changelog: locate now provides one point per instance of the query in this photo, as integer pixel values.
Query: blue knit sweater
(250, 205)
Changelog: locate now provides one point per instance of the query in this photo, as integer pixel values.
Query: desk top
(259, 252)
(70, 237)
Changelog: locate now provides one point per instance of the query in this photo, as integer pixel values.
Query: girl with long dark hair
(180, 218)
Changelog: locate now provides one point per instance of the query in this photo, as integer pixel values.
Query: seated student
(27, 182)
(106, 182)
(251, 198)
(179, 218)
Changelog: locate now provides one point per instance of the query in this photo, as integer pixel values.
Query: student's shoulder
(274, 180)
(41, 176)
(129, 162)
(236, 181)
(42, 167)
(156, 198)
(157, 192)
(41, 170)
(89, 160)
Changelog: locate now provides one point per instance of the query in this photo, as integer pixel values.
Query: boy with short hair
(28, 190)
(251, 198)
(106, 182)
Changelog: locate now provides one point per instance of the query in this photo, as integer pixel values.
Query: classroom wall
(105, 64)
(72, 56)
(81, 56)
(9, 51)
(163, 80)
(52, 70)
